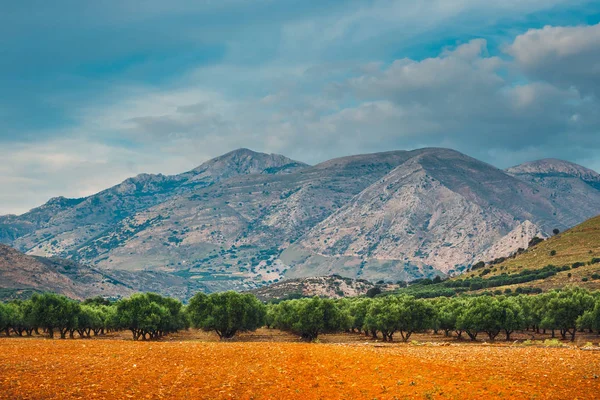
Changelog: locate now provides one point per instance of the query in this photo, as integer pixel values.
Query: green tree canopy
(226, 313)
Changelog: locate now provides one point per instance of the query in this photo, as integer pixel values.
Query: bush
(552, 253)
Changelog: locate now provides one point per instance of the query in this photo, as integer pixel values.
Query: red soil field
(36, 368)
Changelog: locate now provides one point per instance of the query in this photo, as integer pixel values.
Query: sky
(94, 92)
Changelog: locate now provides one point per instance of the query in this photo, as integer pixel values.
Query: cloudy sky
(93, 92)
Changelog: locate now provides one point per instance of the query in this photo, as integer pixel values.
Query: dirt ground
(269, 364)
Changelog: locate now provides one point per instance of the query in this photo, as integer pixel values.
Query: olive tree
(55, 312)
(149, 316)
(226, 313)
(311, 317)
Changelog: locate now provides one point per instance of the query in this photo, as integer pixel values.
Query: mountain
(232, 232)
(439, 211)
(62, 225)
(247, 219)
(553, 168)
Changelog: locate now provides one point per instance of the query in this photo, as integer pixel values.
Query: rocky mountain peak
(555, 167)
(244, 162)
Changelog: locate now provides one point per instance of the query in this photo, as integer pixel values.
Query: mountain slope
(439, 209)
(21, 275)
(62, 225)
(21, 272)
(578, 248)
(235, 229)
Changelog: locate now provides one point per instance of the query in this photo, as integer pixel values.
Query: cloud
(166, 87)
(563, 56)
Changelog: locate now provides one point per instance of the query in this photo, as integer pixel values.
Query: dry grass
(579, 244)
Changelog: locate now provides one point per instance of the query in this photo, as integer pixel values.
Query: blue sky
(95, 92)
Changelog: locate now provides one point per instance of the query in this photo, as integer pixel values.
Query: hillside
(22, 273)
(333, 286)
(246, 219)
(576, 247)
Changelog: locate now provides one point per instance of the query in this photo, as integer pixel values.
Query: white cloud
(564, 56)
(504, 110)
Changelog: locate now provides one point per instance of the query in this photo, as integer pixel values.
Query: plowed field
(113, 369)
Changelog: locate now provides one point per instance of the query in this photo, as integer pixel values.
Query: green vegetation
(577, 246)
(310, 317)
(150, 316)
(226, 313)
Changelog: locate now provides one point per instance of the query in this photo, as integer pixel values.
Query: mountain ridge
(246, 219)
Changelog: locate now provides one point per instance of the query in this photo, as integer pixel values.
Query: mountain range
(246, 219)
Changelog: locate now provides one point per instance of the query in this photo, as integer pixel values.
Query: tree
(590, 319)
(482, 314)
(383, 316)
(226, 313)
(22, 318)
(446, 315)
(358, 311)
(55, 312)
(311, 317)
(512, 317)
(149, 316)
(374, 291)
(415, 315)
(5, 319)
(564, 308)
